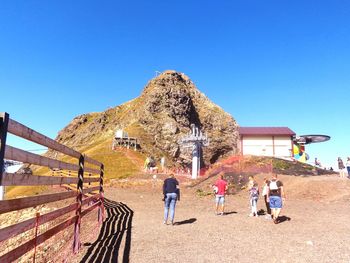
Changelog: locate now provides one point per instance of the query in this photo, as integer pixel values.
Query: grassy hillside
(118, 164)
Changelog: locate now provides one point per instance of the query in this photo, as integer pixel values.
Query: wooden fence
(88, 193)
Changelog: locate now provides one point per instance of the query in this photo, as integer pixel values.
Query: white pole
(195, 158)
(199, 160)
(194, 167)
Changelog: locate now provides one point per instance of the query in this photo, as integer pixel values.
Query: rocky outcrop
(160, 117)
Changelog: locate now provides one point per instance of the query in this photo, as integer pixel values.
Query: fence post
(101, 209)
(76, 242)
(4, 120)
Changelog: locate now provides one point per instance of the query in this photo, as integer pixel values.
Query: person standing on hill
(253, 199)
(146, 165)
(264, 194)
(348, 166)
(171, 192)
(341, 167)
(275, 196)
(220, 188)
(162, 164)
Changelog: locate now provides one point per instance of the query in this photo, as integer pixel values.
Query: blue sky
(267, 63)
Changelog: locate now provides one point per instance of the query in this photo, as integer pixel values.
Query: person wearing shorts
(275, 197)
(221, 188)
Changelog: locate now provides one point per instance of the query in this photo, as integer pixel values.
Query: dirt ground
(315, 226)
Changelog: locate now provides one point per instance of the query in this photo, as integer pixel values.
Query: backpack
(254, 192)
(273, 186)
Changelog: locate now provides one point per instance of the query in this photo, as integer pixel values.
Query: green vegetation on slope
(117, 165)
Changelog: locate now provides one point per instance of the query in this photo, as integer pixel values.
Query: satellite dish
(307, 139)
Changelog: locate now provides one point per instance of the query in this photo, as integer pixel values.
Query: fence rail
(29, 179)
(86, 197)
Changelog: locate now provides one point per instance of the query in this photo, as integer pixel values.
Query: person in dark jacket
(171, 193)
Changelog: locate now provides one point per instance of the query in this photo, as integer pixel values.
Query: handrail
(30, 201)
(13, 230)
(19, 155)
(30, 179)
(24, 248)
(92, 200)
(23, 131)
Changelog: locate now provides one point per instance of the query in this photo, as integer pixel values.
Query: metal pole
(199, 160)
(195, 161)
(4, 120)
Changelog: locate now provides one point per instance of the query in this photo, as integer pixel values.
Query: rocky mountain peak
(160, 117)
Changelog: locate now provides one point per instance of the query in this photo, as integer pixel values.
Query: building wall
(278, 146)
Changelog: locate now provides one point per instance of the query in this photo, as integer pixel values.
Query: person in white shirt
(348, 166)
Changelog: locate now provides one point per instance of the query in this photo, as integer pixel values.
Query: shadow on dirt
(230, 212)
(115, 229)
(184, 222)
(282, 219)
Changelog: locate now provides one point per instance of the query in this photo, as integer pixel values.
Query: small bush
(202, 193)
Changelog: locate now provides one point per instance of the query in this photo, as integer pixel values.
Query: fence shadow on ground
(115, 229)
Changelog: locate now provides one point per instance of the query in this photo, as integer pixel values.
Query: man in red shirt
(220, 188)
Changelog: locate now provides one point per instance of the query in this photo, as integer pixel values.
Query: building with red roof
(266, 141)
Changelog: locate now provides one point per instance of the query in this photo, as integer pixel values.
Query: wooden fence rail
(29, 179)
(86, 197)
(31, 135)
(19, 155)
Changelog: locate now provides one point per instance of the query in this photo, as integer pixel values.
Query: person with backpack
(253, 189)
(275, 196)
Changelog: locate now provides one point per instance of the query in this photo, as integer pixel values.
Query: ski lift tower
(195, 139)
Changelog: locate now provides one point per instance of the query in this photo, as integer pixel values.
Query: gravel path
(315, 231)
(316, 227)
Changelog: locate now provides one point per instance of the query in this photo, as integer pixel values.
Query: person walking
(171, 192)
(348, 166)
(162, 164)
(341, 167)
(220, 188)
(253, 190)
(253, 198)
(146, 164)
(275, 196)
(264, 194)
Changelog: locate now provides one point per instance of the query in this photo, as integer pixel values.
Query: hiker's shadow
(184, 222)
(229, 213)
(115, 229)
(282, 219)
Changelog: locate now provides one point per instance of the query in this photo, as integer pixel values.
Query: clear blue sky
(268, 63)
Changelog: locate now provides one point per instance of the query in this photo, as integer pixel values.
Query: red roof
(265, 131)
